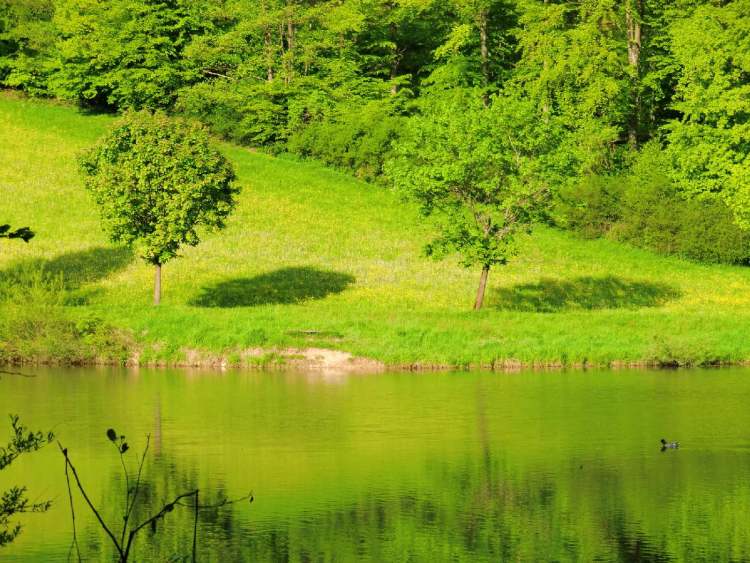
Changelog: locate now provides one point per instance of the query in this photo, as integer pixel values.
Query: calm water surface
(402, 467)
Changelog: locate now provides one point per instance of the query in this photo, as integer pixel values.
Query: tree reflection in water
(464, 467)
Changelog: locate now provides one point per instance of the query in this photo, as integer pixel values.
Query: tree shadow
(281, 287)
(73, 269)
(586, 293)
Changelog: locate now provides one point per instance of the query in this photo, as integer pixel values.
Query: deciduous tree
(124, 53)
(481, 172)
(157, 181)
(710, 143)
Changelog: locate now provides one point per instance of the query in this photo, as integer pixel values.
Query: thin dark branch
(137, 487)
(91, 505)
(72, 514)
(212, 73)
(226, 502)
(169, 507)
(127, 496)
(195, 526)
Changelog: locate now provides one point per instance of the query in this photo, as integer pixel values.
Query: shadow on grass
(587, 293)
(73, 269)
(285, 286)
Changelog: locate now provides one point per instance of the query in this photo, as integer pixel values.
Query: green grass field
(313, 258)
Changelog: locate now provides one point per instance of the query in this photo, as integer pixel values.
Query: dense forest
(636, 113)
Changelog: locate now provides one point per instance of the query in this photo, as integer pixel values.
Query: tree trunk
(290, 48)
(394, 75)
(633, 17)
(482, 286)
(485, 54)
(268, 50)
(393, 32)
(157, 284)
(546, 102)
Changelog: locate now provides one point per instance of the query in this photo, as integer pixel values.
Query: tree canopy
(293, 74)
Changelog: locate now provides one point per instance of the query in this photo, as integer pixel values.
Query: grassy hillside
(314, 258)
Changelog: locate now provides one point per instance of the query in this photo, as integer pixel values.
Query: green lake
(529, 466)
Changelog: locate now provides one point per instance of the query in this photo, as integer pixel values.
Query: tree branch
(130, 502)
(103, 524)
(223, 503)
(72, 514)
(169, 507)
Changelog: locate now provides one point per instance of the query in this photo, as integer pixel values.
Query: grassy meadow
(314, 258)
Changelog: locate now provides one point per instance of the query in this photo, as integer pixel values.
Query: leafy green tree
(124, 53)
(272, 67)
(657, 70)
(157, 181)
(477, 51)
(27, 38)
(710, 143)
(574, 65)
(483, 172)
(398, 38)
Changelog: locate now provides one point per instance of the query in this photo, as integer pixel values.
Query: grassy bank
(313, 258)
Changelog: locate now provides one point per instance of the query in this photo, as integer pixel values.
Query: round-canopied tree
(157, 180)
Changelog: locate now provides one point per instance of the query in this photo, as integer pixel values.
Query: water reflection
(472, 467)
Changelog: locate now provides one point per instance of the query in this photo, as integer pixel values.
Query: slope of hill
(314, 259)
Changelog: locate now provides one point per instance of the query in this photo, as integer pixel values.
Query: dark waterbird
(669, 445)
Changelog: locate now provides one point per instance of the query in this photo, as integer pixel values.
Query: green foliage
(592, 206)
(124, 53)
(355, 139)
(477, 50)
(648, 216)
(14, 501)
(250, 113)
(329, 79)
(23, 441)
(573, 65)
(710, 143)
(37, 324)
(480, 170)
(646, 208)
(157, 181)
(27, 38)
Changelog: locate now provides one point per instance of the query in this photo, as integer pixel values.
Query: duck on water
(665, 445)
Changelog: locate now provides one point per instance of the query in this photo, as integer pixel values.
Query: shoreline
(331, 361)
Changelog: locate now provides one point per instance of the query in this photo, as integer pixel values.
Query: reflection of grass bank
(314, 259)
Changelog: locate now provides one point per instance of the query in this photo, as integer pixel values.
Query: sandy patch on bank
(318, 360)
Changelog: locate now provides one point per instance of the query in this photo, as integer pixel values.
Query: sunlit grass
(312, 257)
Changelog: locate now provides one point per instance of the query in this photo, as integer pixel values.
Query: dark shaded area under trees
(284, 286)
